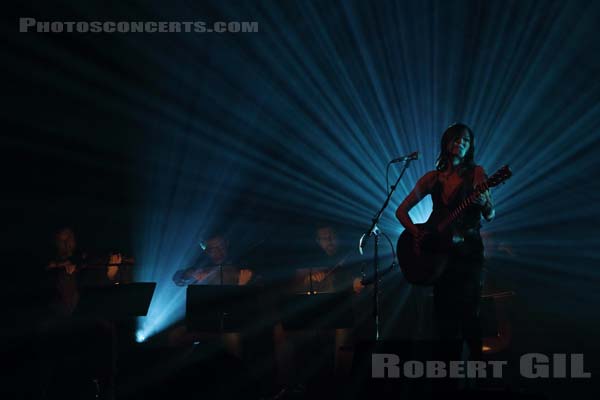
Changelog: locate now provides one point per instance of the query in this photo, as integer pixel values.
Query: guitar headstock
(499, 176)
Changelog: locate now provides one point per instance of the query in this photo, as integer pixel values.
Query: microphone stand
(375, 232)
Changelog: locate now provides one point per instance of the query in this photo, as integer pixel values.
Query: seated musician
(342, 272)
(345, 273)
(72, 268)
(218, 269)
(90, 342)
(332, 269)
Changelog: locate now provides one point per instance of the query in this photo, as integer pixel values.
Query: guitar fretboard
(462, 206)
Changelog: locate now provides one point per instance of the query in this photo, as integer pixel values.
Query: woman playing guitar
(457, 290)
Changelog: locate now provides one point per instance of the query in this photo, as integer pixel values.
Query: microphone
(411, 157)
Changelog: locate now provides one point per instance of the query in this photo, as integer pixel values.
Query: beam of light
(139, 336)
(173, 226)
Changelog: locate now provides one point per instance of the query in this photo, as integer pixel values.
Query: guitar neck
(462, 206)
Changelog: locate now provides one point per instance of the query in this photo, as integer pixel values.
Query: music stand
(317, 310)
(221, 308)
(116, 301)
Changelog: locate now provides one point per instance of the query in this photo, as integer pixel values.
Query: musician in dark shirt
(71, 269)
(330, 267)
(457, 292)
(218, 269)
(333, 268)
(91, 342)
(344, 271)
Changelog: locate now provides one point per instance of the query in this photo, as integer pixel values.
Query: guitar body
(427, 266)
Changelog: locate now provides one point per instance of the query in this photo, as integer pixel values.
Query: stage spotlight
(140, 337)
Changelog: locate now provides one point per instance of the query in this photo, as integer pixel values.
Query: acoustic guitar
(425, 265)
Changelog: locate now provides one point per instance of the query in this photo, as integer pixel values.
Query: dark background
(88, 120)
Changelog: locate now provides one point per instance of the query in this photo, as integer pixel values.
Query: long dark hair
(450, 134)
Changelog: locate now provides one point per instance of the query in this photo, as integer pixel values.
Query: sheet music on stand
(325, 310)
(116, 301)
